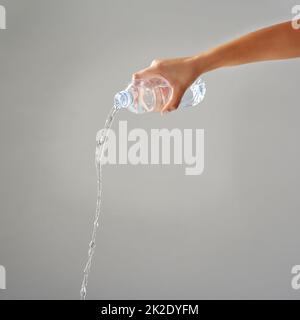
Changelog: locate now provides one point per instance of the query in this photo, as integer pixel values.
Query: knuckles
(135, 76)
(156, 63)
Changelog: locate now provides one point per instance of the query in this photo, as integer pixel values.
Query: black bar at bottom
(147, 309)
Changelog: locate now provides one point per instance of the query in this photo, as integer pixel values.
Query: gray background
(232, 232)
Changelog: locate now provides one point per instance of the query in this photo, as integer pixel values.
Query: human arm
(276, 42)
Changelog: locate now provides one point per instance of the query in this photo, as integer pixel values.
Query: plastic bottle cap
(123, 99)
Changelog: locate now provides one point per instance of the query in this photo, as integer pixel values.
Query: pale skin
(276, 42)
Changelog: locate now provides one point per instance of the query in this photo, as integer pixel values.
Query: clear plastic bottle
(150, 95)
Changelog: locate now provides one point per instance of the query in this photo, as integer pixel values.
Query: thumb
(174, 101)
(143, 74)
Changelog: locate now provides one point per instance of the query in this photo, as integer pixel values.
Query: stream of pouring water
(101, 139)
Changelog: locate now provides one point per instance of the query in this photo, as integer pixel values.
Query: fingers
(174, 101)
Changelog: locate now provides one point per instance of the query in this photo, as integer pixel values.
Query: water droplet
(83, 293)
(86, 270)
(92, 244)
(102, 140)
(96, 223)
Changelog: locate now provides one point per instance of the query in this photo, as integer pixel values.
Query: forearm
(276, 42)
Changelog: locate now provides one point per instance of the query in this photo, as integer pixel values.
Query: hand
(180, 73)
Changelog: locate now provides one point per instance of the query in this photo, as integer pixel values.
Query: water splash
(101, 139)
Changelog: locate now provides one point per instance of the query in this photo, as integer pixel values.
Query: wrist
(207, 61)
